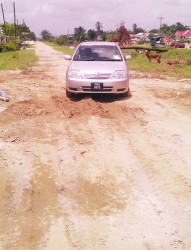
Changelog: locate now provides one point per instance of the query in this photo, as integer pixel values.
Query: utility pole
(15, 23)
(161, 18)
(5, 31)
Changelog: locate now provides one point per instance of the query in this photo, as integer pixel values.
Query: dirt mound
(22, 110)
(83, 107)
(87, 107)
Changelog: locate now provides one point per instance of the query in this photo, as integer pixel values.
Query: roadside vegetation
(17, 59)
(12, 40)
(174, 63)
(67, 50)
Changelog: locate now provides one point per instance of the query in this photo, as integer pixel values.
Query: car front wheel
(68, 94)
(126, 94)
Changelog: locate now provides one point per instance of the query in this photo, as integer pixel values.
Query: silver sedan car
(97, 67)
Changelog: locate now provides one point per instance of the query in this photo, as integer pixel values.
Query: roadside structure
(183, 34)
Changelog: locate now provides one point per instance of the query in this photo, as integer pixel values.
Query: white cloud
(59, 16)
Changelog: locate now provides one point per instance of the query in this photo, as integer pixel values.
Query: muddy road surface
(95, 172)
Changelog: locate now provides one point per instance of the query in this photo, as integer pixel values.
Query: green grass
(64, 49)
(182, 69)
(17, 59)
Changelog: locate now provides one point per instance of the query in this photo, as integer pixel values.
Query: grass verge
(64, 49)
(17, 59)
(174, 63)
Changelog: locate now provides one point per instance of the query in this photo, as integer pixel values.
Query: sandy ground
(95, 172)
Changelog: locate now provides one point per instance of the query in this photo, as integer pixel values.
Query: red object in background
(179, 45)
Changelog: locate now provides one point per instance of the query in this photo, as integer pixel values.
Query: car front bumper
(97, 85)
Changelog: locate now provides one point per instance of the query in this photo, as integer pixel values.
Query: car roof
(98, 43)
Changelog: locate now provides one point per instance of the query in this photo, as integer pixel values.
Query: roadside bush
(61, 40)
(7, 46)
(141, 41)
(188, 62)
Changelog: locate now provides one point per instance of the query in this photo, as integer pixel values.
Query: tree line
(12, 36)
(20, 32)
(81, 34)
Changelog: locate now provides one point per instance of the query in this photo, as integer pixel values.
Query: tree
(91, 34)
(137, 29)
(104, 36)
(171, 30)
(46, 35)
(60, 40)
(22, 32)
(10, 29)
(79, 34)
(123, 35)
(33, 36)
(154, 31)
(99, 27)
(180, 26)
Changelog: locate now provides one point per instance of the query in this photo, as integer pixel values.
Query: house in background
(183, 34)
(137, 37)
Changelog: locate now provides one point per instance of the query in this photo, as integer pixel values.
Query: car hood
(95, 66)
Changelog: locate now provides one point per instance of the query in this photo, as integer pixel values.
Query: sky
(60, 17)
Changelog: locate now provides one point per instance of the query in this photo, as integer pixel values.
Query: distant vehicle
(97, 67)
(24, 44)
(28, 43)
(159, 45)
(179, 45)
(157, 41)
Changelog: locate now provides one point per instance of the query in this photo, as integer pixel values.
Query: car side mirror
(67, 57)
(127, 57)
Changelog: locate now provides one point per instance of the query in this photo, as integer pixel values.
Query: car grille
(97, 76)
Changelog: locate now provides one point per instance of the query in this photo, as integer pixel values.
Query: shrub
(61, 40)
(7, 46)
(141, 41)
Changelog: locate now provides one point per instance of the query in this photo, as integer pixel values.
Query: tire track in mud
(93, 128)
(97, 176)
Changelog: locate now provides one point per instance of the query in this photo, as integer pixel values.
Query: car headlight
(119, 74)
(75, 74)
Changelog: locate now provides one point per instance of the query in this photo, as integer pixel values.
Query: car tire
(126, 94)
(68, 94)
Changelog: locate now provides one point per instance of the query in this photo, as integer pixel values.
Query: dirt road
(97, 172)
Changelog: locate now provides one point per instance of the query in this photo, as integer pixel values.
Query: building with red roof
(183, 34)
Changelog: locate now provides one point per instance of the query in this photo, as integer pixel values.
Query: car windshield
(97, 53)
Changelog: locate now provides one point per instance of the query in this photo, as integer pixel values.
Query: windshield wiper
(88, 59)
(109, 60)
